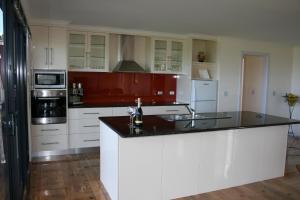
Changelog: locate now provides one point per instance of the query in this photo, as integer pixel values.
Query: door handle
(10, 124)
(91, 126)
(51, 52)
(46, 56)
(55, 129)
(49, 143)
(96, 140)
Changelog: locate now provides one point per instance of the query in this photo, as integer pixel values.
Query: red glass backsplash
(100, 87)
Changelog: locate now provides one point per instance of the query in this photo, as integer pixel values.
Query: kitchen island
(174, 156)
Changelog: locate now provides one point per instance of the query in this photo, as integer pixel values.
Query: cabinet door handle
(54, 129)
(172, 110)
(46, 53)
(51, 52)
(96, 113)
(95, 140)
(49, 143)
(206, 84)
(91, 126)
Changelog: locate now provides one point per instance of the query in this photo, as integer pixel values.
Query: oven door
(49, 79)
(48, 110)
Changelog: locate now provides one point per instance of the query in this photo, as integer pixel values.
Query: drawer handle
(172, 110)
(54, 129)
(91, 126)
(96, 140)
(206, 84)
(49, 143)
(96, 113)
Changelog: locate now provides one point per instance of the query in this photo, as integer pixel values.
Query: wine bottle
(138, 119)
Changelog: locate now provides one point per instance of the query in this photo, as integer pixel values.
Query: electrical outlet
(274, 93)
(171, 93)
(159, 93)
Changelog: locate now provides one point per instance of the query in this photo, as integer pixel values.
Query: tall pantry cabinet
(49, 47)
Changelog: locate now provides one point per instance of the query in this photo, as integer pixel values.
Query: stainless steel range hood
(126, 51)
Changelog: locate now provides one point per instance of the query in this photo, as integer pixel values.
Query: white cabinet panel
(49, 47)
(85, 140)
(49, 143)
(89, 113)
(164, 110)
(39, 47)
(180, 154)
(57, 48)
(83, 126)
(136, 154)
(48, 129)
(120, 111)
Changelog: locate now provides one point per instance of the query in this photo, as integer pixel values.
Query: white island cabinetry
(172, 166)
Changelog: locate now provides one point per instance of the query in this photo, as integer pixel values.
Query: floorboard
(76, 177)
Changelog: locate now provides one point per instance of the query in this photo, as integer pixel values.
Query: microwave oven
(49, 79)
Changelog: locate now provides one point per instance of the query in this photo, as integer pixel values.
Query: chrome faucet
(191, 111)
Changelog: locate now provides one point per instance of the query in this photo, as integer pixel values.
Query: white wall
(296, 86)
(230, 52)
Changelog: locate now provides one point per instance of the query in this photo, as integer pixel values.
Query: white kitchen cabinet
(84, 123)
(89, 113)
(49, 143)
(84, 140)
(180, 154)
(153, 110)
(84, 126)
(49, 137)
(167, 55)
(49, 47)
(88, 51)
(48, 129)
(165, 110)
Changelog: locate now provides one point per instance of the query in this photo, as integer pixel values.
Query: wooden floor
(77, 178)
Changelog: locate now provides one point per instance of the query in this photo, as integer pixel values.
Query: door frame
(242, 70)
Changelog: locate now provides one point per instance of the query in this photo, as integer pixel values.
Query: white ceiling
(271, 20)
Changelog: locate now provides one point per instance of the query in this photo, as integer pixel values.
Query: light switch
(274, 93)
(226, 93)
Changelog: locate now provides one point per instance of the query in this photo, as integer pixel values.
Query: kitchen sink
(198, 116)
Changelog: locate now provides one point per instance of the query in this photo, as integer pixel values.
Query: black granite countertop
(123, 104)
(173, 124)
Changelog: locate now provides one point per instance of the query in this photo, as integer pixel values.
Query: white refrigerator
(204, 96)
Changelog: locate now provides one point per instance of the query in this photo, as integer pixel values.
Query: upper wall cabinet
(49, 47)
(88, 51)
(167, 56)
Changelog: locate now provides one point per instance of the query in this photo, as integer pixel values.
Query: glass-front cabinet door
(176, 56)
(160, 55)
(88, 51)
(168, 56)
(96, 54)
(77, 50)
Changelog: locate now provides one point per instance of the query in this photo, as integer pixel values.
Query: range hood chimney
(126, 62)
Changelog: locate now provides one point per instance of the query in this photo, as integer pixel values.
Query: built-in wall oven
(48, 106)
(48, 97)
